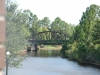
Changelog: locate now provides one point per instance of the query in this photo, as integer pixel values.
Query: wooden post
(2, 35)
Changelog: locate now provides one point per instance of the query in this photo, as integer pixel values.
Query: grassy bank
(50, 47)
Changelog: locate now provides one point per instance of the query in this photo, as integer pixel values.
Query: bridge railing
(50, 35)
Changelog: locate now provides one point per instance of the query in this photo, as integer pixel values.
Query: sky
(69, 11)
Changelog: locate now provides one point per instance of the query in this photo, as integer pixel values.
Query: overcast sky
(68, 10)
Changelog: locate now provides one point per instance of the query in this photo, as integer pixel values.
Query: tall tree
(96, 33)
(87, 22)
(15, 39)
(35, 24)
(56, 24)
(61, 26)
(45, 22)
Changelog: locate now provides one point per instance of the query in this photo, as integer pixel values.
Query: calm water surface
(49, 62)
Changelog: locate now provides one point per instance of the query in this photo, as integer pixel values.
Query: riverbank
(84, 63)
(89, 63)
(43, 47)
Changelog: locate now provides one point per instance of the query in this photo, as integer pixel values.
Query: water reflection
(44, 53)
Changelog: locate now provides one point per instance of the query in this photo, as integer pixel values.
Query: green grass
(50, 47)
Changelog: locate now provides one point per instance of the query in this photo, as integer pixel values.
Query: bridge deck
(49, 37)
(48, 41)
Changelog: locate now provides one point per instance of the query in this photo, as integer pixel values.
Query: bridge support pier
(35, 45)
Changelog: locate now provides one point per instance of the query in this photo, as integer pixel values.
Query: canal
(49, 62)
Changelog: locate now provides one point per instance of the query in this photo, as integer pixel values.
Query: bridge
(48, 37)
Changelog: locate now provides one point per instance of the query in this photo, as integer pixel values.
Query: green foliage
(96, 33)
(84, 45)
(97, 55)
(15, 39)
(45, 22)
(72, 52)
(63, 50)
(61, 26)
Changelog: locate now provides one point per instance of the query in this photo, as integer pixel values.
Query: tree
(96, 33)
(61, 26)
(88, 21)
(85, 30)
(56, 25)
(45, 22)
(15, 39)
(34, 23)
(85, 41)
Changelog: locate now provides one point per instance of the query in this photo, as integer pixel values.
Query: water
(50, 63)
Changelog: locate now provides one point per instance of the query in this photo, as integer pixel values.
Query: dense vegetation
(15, 36)
(84, 45)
